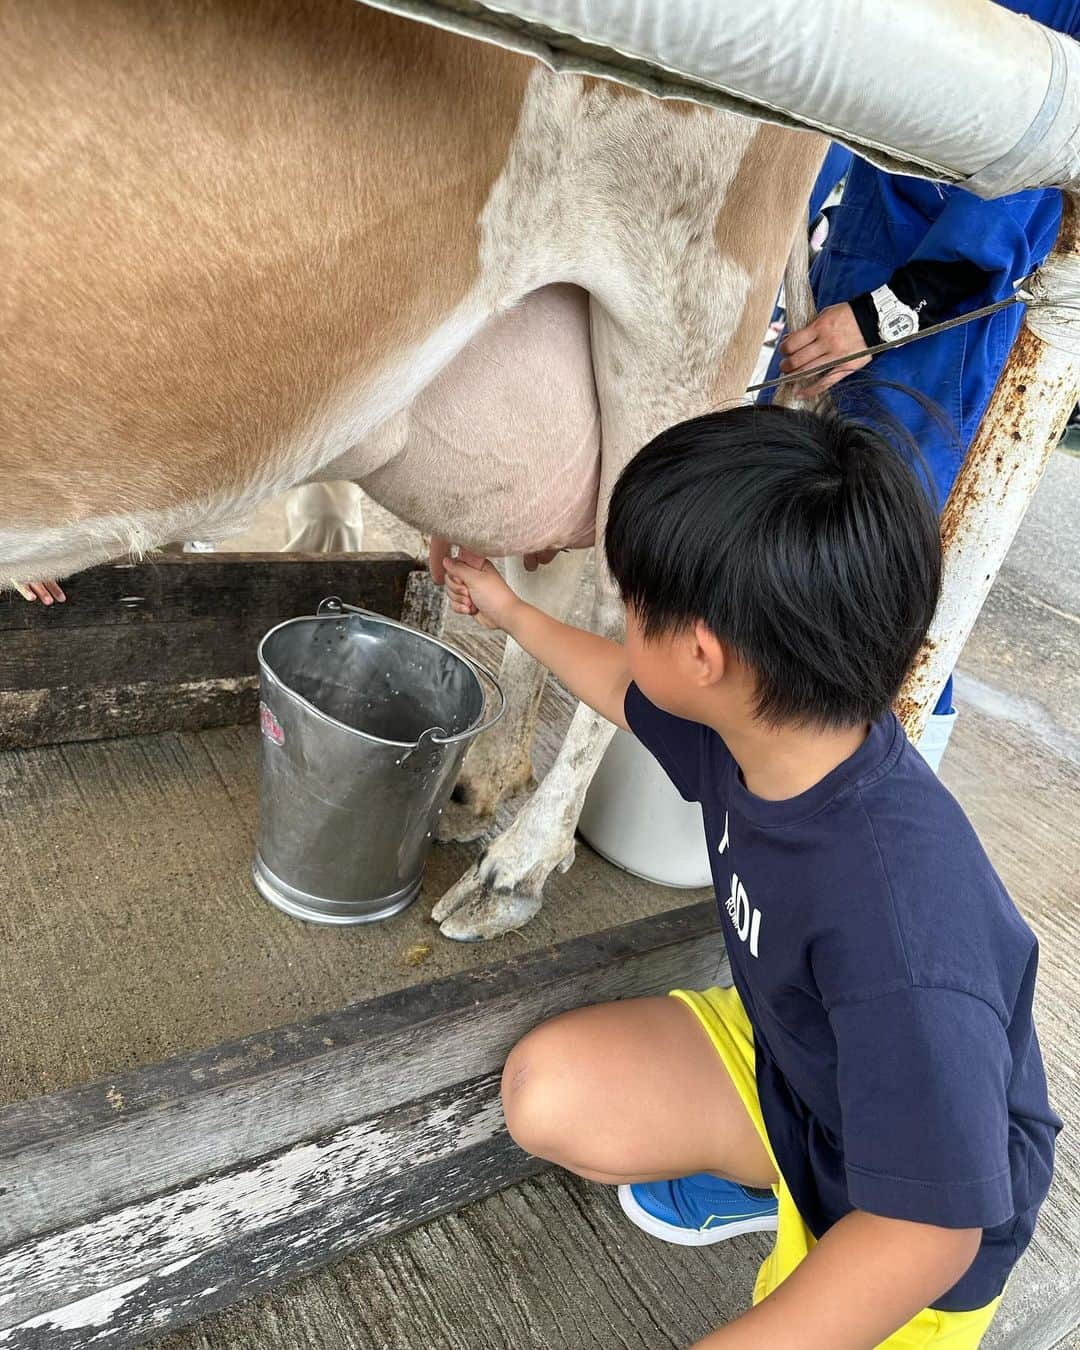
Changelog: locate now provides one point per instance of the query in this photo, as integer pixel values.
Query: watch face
(898, 326)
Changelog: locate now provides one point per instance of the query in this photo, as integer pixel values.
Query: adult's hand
(832, 335)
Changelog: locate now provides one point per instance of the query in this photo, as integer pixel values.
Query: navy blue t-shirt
(888, 979)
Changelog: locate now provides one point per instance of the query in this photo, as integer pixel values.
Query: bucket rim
(473, 668)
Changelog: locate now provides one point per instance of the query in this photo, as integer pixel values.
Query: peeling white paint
(169, 1232)
(179, 1265)
(96, 1310)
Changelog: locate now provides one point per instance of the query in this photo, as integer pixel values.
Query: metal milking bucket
(365, 723)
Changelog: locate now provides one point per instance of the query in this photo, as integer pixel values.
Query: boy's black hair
(807, 542)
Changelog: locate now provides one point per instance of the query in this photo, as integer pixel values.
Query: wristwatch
(895, 319)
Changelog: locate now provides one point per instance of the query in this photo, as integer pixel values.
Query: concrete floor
(553, 1264)
(130, 929)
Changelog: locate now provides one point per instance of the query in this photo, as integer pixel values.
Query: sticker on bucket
(271, 727)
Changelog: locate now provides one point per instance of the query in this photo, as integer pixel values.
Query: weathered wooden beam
(36, 717)
(143, 1202)
(75, 1155)
(185, 586)
(168, 644)
(174, 1258)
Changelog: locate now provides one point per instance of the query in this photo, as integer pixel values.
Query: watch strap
(887, 303)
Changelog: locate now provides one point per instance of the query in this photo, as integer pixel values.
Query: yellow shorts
(723, 1016)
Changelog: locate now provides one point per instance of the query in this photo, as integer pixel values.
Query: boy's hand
(439, 551)
(475, 587)
(593, 668)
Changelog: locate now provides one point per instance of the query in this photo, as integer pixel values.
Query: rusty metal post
(1020, 429)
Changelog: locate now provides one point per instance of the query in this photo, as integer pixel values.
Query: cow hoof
(478, 908)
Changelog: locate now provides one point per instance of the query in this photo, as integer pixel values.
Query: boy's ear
(709, 656)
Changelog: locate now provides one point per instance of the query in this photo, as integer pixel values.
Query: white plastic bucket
(634, 817)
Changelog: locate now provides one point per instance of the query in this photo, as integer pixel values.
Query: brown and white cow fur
(240, 238)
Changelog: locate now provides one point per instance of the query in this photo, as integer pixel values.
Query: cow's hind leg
(691, 216)
(647, 378)
(499, 765)
(505, 888)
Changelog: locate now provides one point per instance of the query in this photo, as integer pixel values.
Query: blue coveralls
(886, 220)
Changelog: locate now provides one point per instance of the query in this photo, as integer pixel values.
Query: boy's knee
(538, 1094)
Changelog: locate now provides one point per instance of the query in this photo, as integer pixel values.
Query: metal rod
(1021, 296)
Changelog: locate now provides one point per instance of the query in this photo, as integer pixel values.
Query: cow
(251, 244)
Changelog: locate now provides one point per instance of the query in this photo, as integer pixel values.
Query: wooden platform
(130, 929)
(552, 1265)
(548, 1262)
(152, 1197)
(195, 1084)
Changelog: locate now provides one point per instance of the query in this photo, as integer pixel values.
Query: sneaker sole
(690, 1237)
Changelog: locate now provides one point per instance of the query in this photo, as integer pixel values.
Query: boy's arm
(593, 668)
(866, 1277)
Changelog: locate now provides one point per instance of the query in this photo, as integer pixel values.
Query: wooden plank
(36, 717)
(425, 605)
(77, 1154)
(167, 645)
(549, 1264)
(294, 1188)
(214, 585)
(285, 1223)
(176, 652)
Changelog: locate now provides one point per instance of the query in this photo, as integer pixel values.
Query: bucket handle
(333, 604)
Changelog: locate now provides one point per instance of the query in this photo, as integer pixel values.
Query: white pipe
(963, 90)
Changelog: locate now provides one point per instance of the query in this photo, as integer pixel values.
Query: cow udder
(503, 448)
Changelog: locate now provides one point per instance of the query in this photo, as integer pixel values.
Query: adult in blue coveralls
(903, 250)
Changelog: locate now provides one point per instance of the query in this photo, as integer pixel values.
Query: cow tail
(798, 301)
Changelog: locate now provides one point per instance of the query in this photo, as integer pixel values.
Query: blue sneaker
(694, 1211)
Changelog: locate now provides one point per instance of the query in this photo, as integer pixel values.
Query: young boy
(872, 1085)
